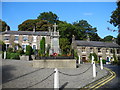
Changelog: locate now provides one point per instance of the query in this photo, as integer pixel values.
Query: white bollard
(92, 59)
(101, 64)
(56, 79)
(79, 60)
(94, 69)
(5, 55)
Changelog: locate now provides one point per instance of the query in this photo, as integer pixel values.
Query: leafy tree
(118, 39)
(84, 28)
(115, 17)
(29, 50)
(108, 38)
(39, 25)
(42, 46)
(4, 25)
(64, 45)
(2, 46)
(95, 56)
(48, 16)
(66, 30)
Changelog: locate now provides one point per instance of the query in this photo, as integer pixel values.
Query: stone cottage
(103, 50)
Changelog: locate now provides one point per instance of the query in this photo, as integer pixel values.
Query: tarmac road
(115, 83)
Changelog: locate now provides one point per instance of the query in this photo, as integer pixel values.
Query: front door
(84, 59)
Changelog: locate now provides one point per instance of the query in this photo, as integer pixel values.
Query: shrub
(103, 61)
(8, 55)
(21, 52)
(76, 55)
(14, 56)
(9, 49)
(95, 56)
(29, 50)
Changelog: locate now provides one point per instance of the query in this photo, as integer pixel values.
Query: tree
(84, 28)
(2, 46)
(64, 45)
(48, 16)
(29, 50)
(4, 25)
(42, 46)
(118, 39)
(115, 17)
(108, 38)
(39, 25)
(66, 30)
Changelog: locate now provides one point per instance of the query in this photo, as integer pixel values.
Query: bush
(12, 55)
(118, 62)
(21, 52)
(9, 49)
(8, 55)
(103, 61)
(29, 50)
(95, 56)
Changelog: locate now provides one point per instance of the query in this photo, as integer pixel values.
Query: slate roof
(97, 44)
(43, 33)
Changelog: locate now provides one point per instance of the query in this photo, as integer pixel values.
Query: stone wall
(58, 63)
(23, 57)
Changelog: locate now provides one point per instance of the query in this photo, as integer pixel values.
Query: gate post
(56, 79)
(79, 60)
(92, 59)
(101, 64)
(94, 69)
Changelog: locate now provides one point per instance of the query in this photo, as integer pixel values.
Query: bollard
(56, 79)
(94, 69)
(79, 60)
(92, 59)
(101, 64)
(5, 55)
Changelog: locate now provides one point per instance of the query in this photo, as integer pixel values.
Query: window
(118, 51)
(6, 37)
(107, 50)
(34, 47)
(25, 38)
(16, 47)
(111, 50)
(16, 38)
(99, 49)
(7, 45)
(23, 47)
(91, 49)
(83, 49)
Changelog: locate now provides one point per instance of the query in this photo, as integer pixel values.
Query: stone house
(15, 39)
(103, 50)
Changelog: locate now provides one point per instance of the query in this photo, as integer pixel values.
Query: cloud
(87, 14)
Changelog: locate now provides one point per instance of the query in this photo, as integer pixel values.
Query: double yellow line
(103, 82)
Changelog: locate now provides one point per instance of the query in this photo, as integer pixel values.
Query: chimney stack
(113, 40)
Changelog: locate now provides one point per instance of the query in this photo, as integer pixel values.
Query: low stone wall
(55, 63)
(0, 56)
(23, 57)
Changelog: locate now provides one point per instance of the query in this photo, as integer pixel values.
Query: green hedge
(12, 56)
(104, 61)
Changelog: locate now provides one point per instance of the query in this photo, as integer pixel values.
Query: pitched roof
(43, 33)
(97, 44)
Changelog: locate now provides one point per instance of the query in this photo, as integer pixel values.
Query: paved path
(21, 74)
